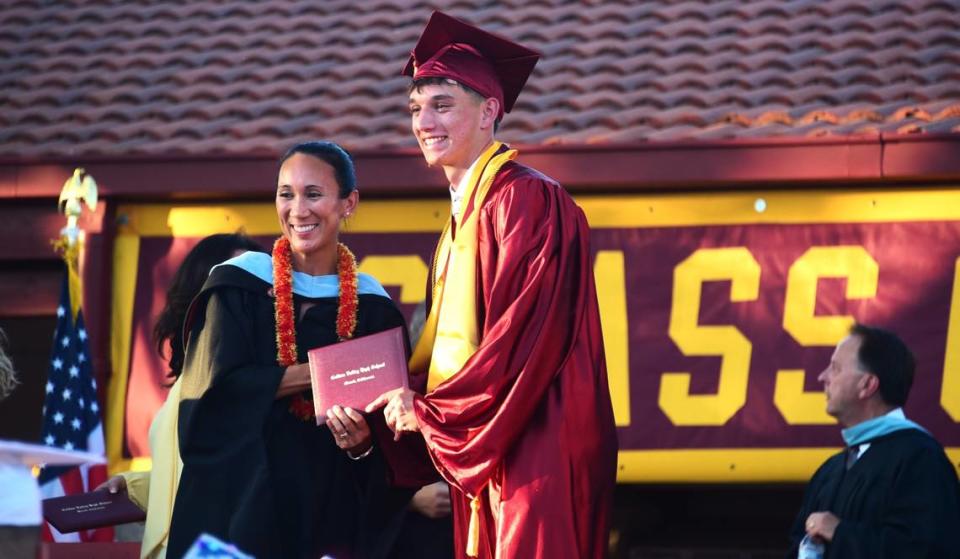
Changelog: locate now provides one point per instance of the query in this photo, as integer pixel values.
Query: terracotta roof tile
(179, 76)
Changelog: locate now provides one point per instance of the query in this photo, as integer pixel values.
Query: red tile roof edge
(635, 167)
(686, 144)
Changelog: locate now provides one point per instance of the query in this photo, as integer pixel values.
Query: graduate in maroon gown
(517, 414)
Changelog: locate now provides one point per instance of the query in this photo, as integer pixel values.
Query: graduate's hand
(349, 429)
(115, 484)
(822, 525)
(432, 501)
(398, 411)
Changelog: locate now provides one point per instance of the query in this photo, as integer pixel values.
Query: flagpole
(71, 410)
(77, 190)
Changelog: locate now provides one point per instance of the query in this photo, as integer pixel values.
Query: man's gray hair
(8, 377)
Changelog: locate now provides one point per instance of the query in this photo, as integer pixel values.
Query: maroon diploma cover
(91, 510)
(353, 373)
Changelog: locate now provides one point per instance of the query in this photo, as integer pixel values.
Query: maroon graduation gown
(529, 413)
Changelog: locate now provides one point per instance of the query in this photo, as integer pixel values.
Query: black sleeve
(809, 505)
(227, 393)
(919, 518)
(226, 398)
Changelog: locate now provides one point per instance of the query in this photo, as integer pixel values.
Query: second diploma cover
(351, 374)
(95, 509)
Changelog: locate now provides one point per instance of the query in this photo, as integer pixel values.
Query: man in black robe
(892, 493)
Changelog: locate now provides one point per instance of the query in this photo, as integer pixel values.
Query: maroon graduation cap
(489, 64)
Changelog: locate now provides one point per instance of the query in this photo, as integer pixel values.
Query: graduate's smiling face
(451, 124)
(846, 384)
(310, 209)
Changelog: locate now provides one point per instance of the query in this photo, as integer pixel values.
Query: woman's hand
(397, 407)
(115, 484)
(349, 429)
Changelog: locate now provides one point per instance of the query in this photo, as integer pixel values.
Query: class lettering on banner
(717, 315)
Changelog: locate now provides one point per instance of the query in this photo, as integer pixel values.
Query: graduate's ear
(489, 110)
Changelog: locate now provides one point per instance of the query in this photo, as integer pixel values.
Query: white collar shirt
(456, 192)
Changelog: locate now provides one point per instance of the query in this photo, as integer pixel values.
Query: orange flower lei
(347, 306)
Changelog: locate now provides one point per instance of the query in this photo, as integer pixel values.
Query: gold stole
(450, 338)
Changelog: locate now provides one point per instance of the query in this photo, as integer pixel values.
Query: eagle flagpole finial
(77, 189)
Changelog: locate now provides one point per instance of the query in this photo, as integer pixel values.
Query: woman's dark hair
(186, 283)
(333, 155)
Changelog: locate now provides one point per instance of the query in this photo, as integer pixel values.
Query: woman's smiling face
(310, 208)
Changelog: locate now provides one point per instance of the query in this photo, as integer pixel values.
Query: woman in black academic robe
(254, 473)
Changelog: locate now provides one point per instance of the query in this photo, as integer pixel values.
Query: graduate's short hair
(418, 84)
(333, 155)
(884, 355)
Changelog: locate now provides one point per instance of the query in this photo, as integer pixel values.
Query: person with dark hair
(892, 493)
(186, 283)
(257, 470)
(154, 490)
(512, 348)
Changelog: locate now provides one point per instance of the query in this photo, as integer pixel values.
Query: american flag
(71, 417)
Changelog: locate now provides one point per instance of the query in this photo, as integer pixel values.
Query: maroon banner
(724, 331)
(910, 294)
